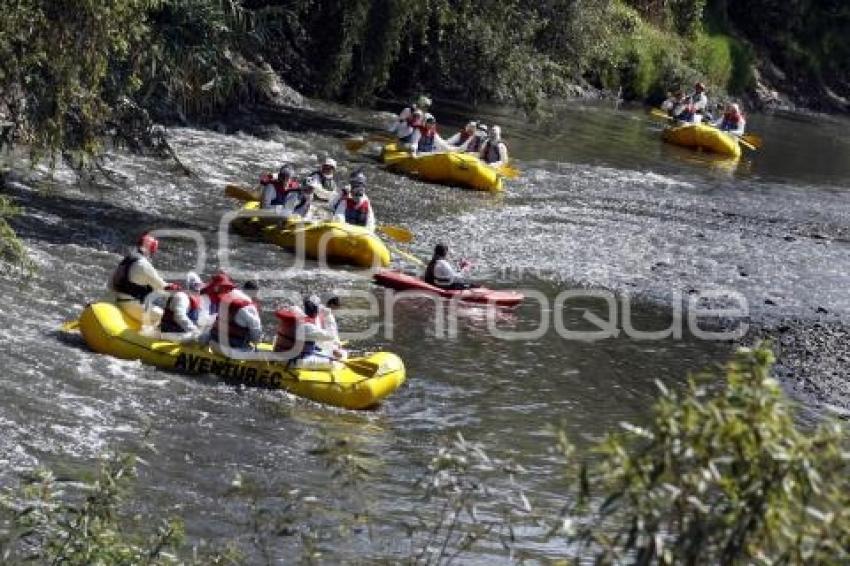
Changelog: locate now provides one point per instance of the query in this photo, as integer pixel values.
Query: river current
(601, 205)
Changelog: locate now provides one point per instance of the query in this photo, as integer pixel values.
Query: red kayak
(481, 295)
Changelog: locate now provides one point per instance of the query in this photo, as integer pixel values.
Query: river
(602, 204)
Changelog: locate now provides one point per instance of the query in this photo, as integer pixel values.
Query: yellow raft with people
(336, 242)
(447, 168)
(357, 383)
(703, 136)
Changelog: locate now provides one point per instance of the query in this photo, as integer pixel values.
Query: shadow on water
(57, 218)
(262, 122)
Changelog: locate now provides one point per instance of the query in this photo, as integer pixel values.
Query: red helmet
(148, 244)
(220, 283)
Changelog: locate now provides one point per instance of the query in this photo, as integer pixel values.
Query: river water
(602, 205)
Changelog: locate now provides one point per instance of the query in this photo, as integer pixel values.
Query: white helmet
(193, 281)
(329, 162)
(313, 183)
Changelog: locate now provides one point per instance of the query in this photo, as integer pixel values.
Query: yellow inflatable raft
(360, 384)
(447, 168)
(341, 242)
(703, 136)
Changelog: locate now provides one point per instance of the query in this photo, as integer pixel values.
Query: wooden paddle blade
(240, 193)
(397, 233)
(753, 139)
(509, 171)
(363, 367)
(746, 144)
(70, 325)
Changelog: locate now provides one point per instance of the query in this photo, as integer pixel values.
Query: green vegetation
(42, 524)
(721, 473)
(12, 251)
(73, 75)
(76, 76)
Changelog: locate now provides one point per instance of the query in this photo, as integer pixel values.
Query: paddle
(356, 144)
(508, 171)
(70, 325)
(362, 367)
(240, 193)
(753, 139)
(397, 233)
(750, 141)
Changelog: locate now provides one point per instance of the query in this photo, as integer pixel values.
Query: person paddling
(275, 190)
(135, 279)
(476, 141)
(440, 273)
(299, 201)
(410, 118)
(238, 321)
(459, 139)
(406, 129)
(183, 314)
(695, 106)
(494, 152)
(732, 121)
(353, 206)
(426, 139)
(302, 338)
(326, 175)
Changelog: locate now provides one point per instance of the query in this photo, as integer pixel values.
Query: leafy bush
(712, 55)
(12, 251)
(722, 474)
(45, 524)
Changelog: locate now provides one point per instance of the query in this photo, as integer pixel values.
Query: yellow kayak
(447, 168)
(703, 136)
(360, 385)
(342, 243)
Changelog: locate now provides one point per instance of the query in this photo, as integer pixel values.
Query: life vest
(426, 139)
(237, 335)
(731, 121)
(412, 121)
(287, 332)
(282, 190)
(169, 323)
(328, 183)
(428, 277)
(464, 135)
(491, 152)
(121, 278)
(474, 145)
(357, 213)
(413, 124)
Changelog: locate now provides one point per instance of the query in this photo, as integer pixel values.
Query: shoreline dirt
(812, 360)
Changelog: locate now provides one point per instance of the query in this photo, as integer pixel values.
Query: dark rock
(821, 310)
(769, 302)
